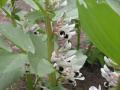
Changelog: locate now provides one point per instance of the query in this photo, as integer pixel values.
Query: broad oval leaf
(11, 68)
(44, 68)
(38, 61)
(17, 36)
(40, 53)
(101, 23)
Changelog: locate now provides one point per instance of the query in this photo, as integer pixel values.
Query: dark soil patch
(92, 78)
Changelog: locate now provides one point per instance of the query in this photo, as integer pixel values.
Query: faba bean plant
(36, 43)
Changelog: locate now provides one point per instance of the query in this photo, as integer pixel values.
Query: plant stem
(29, 82)
(50, 42)
(6, 12)
(78, 27)
(13, 13)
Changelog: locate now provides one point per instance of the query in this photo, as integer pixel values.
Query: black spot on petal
(66, 36)
(70, 81)
(69, 61)
(62, 33)
(76, 74)
(106, 84)
(61, 68)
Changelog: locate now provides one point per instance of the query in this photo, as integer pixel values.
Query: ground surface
(92, 78)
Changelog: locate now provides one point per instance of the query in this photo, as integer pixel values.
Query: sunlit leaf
(101, 23)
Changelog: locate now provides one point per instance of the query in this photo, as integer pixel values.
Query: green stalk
(28, 76)
(6, 12)
(50, 42)
(29, 82)
(13, 13)
(78, 27)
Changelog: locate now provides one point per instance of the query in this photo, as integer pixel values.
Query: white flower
(67, 31)
(66, 61)
(94, 88)
(71, 76)
(68, 65)
(111, 77)
(109, 61)
(67, 28)
(67, 46)
(55, 57)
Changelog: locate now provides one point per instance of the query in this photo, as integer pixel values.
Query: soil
(92, 78)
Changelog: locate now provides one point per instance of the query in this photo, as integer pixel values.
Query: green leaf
(11, 68)
(4, 45)
(17, 36)
(44, 68)
(101, 23)
(2, 3)
(95, 55)
(33, 17)
(40, 65)
(38, 61)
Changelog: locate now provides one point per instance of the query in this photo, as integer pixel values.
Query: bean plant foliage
(100, 19)
(23, 42)
(32, 49)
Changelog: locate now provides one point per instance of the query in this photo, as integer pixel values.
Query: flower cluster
(58, 3)
(65, 60)
(112, 77)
